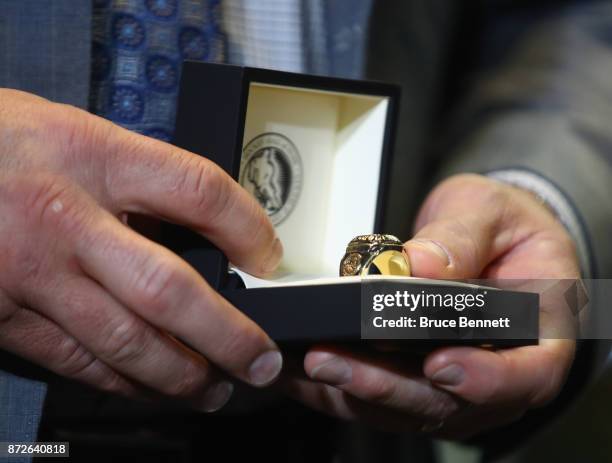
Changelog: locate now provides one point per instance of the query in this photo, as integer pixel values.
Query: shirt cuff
(556, 200)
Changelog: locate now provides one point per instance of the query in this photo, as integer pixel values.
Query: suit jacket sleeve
(544, 104)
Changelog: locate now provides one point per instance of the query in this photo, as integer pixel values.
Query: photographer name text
(419, 301)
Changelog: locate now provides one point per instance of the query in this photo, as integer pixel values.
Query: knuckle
(83, 366)
(72, 358)
(191, 175)
(210, 188)
(156, 282)
(125, 342)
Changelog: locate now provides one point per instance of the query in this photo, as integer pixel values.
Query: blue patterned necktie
(137, 50)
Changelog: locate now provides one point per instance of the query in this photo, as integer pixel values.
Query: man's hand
(469, 227)
(87, 297)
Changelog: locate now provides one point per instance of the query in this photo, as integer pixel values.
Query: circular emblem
(271, 170)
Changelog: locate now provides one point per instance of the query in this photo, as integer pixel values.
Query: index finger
(166, 292)
(387, 381)
(148, 176)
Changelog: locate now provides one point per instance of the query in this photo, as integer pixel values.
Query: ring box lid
(313, 150)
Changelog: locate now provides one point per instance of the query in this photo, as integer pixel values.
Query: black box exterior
(211, 116)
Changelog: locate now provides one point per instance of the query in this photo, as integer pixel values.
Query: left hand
(469, 227)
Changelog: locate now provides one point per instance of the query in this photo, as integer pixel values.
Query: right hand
(89, 298)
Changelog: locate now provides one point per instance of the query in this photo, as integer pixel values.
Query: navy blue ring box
(315, 152)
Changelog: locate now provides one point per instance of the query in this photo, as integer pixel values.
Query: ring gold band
(374, 254)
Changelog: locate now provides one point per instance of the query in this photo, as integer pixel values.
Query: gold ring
(374, 254)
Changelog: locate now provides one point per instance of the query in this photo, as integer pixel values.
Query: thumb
(460, 229)
(453, 248)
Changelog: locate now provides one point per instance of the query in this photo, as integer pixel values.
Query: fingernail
(451, 375)
(274, 258)
(216, 396)
(434, 248)
(335, 371)
(266, 368)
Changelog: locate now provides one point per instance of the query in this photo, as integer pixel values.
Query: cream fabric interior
(339, 137)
